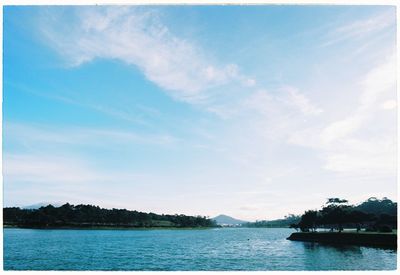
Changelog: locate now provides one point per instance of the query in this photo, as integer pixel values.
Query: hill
(227, 220)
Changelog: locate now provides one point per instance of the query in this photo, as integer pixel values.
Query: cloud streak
(357, 143)
(44, 169)
(138, 38)
(36, 133)
(360, 29)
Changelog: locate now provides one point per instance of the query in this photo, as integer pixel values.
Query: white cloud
(276, 114)
(138, 38)
(342, 128)
(250, 82)
(361, 28)
(355, 155)
(378, 82)
(364, 140)
(301, 102)
(283, 100)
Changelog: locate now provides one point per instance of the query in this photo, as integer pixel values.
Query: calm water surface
(210, 249)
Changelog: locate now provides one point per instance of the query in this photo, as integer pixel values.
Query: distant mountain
(40, 204)
(226, 220)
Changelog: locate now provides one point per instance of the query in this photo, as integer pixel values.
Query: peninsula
(371, 223)
(348, 238)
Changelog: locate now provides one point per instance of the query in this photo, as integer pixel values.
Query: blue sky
(250, 111)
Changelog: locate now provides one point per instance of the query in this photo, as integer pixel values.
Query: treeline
(372, 215)
(87, 216)
(285, 222)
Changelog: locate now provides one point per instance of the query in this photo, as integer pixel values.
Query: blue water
(210, 249)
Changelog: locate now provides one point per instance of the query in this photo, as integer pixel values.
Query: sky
(250, 111)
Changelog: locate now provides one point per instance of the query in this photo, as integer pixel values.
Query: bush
(385, 228)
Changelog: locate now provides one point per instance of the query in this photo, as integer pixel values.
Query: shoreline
(103, 227)
(379, 239)
(131, 227)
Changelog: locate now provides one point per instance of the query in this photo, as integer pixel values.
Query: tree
(336, 201)
(377, 207)
(89, 215)
(295, 226)
(308, 221)
(337, 213)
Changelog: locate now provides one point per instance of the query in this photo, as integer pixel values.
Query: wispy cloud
(277, 113)
(360, 29)
(137, 37)
(357, 142)
(32, 177)
(128, 114)
(73, 135)
(49, 169)
(379, 82)
(46, 169)
(300, 101)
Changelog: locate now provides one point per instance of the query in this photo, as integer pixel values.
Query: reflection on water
(338, 247)
(323, 256)
(220, 249)
(344, 248)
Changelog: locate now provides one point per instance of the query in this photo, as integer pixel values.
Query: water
(209, 249)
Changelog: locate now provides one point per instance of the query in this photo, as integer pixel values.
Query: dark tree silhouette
(308, 221)
(373, 214)
(81, 215)
(336, 201)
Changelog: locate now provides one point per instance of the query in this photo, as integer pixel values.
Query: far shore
(130, 227)
(8, 226)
